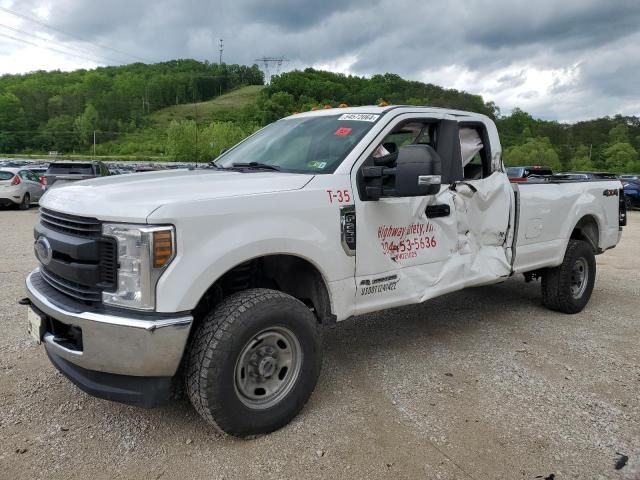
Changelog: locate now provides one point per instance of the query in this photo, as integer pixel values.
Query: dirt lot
(483, 384)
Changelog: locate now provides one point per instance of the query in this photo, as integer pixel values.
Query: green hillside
(150, 140)
(225, 108)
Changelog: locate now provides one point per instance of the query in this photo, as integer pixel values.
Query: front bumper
(113, 343)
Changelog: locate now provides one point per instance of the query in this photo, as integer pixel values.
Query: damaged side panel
(404, 256)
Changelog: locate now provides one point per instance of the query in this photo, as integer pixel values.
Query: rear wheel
(254, 362)
(25, 203)
(567, 288)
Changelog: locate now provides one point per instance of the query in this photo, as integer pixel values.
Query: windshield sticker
(319, 165)
(360, 117)
(343, 131)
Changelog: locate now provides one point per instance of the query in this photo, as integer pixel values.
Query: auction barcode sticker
(361, 117)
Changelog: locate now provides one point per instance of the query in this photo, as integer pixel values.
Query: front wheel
(254, 362)
(567, 288)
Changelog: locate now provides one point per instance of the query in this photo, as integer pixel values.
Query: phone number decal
(406, 241)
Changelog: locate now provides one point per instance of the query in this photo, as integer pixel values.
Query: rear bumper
(7, 202)
(120, 344)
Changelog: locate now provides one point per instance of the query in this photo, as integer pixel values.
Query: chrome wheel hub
(579, 277)
(268, 367)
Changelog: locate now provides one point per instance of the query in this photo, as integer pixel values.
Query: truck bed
(547, 211)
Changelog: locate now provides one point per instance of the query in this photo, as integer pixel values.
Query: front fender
(209, 245)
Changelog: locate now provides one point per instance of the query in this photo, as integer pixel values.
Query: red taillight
(15, 181)
(43, 181)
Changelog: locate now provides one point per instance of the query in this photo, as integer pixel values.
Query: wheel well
(587, 229)
(286, 273)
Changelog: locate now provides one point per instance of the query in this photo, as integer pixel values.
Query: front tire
(567, 288)
(254, 362)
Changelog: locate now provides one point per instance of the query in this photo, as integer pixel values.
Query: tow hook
(24, 301)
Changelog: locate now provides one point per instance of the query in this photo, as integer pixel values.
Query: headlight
(143, 254)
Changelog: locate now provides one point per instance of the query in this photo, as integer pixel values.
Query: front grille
(71, 224)
(84, 263)
(109, 263)
(72, 289)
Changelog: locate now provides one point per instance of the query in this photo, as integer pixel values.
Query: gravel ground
(482, 384)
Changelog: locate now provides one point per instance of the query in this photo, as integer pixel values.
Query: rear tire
(254, 362)
(567, 288)
(25, 203)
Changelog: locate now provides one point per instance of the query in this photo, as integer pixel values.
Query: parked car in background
(632, 193)
(39, 171)
(570, 176)
(594, 175)
(520, 174)
(629, 177)
(20, 187)
(64, 172)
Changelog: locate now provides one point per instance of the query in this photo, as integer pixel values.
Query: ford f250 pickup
(221, 280)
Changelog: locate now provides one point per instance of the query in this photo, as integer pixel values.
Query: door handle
(435, 211)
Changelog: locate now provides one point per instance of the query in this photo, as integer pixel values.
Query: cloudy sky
(568, 60)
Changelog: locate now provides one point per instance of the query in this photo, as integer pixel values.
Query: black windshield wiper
(265, 166)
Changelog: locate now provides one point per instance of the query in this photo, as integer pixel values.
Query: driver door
(406, 247)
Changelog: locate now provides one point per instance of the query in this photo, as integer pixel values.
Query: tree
(12, 123)
(58, 134)
(581, 160)
(85, 124)
(619, 134)
(219, 136)
(181, 140)
(620, 157)
(535, 151)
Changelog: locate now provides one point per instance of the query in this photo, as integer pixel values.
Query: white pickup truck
(221, 280)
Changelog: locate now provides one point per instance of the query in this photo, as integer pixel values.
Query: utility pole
(221, 44)
(94, 144)
(195, 111)
(590, 148)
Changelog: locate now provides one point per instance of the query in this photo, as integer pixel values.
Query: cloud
(567, 61)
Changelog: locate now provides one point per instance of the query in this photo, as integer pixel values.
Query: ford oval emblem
(43, 250)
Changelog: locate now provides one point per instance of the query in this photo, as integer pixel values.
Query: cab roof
(374, 109)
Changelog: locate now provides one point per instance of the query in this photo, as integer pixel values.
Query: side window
(474, 146)
(417, 131)
(24, 175)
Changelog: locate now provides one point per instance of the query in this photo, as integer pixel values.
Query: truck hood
(133, 197)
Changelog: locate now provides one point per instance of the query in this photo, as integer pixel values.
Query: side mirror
(416, 174)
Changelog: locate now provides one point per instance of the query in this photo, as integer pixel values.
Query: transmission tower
(274, 61)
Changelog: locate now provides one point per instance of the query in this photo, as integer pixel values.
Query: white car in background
(19, 186)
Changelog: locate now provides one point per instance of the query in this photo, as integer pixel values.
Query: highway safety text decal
(404, 242)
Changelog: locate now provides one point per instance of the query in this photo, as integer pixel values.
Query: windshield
(6, 176)
(70, 168)
(515, 172)
(315, 144)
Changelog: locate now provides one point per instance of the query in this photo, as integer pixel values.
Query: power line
(77, 37)
(100, 59)
(22, 40)
(266, 61)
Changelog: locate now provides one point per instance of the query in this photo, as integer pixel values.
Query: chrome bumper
(114, 343)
